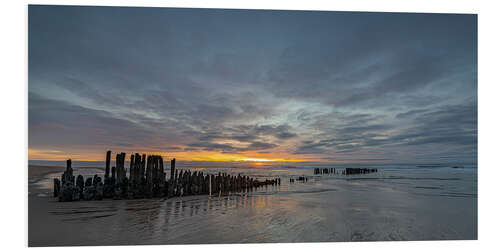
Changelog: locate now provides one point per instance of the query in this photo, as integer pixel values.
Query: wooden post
(172, 169)
(149, 176)
(143, 166)
(108, 160)
(57, 187)
(131, 169)
(161, 175)
(210, 182)
(120, 167)
(68, 174)
(113, 173)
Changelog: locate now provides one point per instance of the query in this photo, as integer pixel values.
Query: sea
(397, 203)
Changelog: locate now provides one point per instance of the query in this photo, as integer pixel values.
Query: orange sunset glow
(57, 155)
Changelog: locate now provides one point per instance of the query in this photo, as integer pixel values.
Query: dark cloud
(261, 145)
(453, 126)
(55, 122)
(214, 146)
(227, 148)
(411, 113)
(377, 60)
(258, 137)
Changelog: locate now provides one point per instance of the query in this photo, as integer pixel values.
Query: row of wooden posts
(300, 178)
(346, 171)
(147, 178)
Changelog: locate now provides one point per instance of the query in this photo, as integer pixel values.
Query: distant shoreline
(36, 173)
(39, 170)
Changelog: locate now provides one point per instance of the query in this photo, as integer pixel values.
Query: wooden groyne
(346, 171)
(349, 171)
(300, 178)
(147, 179)
(325, 171)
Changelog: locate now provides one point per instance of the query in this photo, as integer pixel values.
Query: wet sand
(37, 173)
(38, 207)
(421, 204)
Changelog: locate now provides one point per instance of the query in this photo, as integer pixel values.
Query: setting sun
(258, 159)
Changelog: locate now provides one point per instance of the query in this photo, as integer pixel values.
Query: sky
(293, 87)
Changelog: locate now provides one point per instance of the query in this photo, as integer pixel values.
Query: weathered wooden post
(80, 184)
(117, 168)
(154, 174)
(120, 168)
(99, 187)
(162, 170)
(68, 174)
(57, 187)
(108, 161)
(176, 181)
(149, 170)
(172, 169)
(137, 168)
(143, 166)
(172, 178)
(131, 169)
(123, 170)
(161, 176)
(210, 185)
(113, 173)
(149, 176)
(88, 182)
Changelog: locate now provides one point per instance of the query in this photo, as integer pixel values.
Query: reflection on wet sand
(390, 205)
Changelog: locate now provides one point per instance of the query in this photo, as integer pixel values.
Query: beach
(171, 125)
(396, 203)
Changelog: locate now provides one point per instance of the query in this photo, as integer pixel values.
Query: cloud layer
(312, 86)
